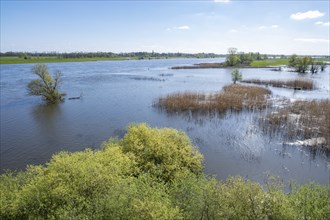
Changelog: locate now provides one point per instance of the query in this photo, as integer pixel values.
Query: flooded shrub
(235, 97)
(236, 75)
(303, 84)
(46, 86)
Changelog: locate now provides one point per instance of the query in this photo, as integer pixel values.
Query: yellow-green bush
(149, 174)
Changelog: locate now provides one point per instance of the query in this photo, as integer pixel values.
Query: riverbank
(17, 60)
(269, 63)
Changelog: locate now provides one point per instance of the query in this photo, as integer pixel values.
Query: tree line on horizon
(139, 55)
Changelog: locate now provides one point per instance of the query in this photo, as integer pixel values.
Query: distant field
(279, 62)
(17, 60)
(269, 62)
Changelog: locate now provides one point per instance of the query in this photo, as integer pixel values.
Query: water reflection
(47, 119)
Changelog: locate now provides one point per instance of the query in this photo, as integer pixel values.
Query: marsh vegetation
(305, 121)
(232, 97)
(304, 84)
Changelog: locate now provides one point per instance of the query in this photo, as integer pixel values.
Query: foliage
(236, 75)
(46, 86)
(232, 58)
(162, 153)
(149, 174)
(235, 58)
(300, 64)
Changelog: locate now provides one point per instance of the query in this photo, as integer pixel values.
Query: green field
(17, 60)
(279, 62)
(269, 62)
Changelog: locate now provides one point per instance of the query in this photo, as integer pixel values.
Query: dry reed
(304, 119)
(304, 84)
(233, 97)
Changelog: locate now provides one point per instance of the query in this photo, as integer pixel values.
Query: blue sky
(279, 27)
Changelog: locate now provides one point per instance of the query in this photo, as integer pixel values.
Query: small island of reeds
(232, 97)
(299, 84)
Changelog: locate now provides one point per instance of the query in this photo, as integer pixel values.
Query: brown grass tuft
(235, 97)
(304, 84)
(305, 119)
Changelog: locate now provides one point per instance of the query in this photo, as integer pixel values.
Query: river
(115, 94)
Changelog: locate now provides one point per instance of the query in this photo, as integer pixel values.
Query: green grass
(17, 60)
(269, 62)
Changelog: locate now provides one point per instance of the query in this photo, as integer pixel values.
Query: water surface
(118, 93)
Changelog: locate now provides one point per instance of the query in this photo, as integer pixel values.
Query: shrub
(149, 174)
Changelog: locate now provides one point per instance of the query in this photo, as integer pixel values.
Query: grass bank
(301, 84)
(269, 63)
(234, 97)
(149, 174)
(255, 64)
(307, 121)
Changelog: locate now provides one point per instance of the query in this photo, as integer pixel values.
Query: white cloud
(327, 24)
(306, 15)
(312, 40)
(222, 1)
(184, 27)
(233, 31)
(267, 27)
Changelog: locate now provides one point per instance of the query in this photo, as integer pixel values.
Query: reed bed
(233, 97)
(307, 120)
(303, 84)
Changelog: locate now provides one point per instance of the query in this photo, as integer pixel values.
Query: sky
(210, 26)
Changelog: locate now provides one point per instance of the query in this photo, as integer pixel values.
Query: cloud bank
(306, 15)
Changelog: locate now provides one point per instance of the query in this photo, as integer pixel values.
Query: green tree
(232, 58)
(46, 86)
(236, 75)
(300, 64)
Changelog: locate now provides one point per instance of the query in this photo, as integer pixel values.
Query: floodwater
(118, 93)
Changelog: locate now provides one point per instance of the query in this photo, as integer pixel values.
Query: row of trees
(235, 58)
(149, 174)
(305, 63)
(25, 55)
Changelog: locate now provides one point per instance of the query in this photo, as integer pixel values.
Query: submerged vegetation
(304, 84)
(235, 97)
(149, 174)
(304, 120)
(46, 86)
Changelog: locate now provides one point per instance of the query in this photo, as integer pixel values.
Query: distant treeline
(139, 55)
